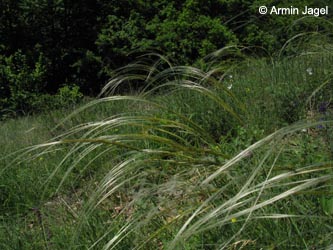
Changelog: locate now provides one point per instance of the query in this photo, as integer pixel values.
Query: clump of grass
(188, 165)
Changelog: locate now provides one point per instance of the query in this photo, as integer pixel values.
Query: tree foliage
(83, 42)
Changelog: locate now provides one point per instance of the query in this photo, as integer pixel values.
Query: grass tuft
(198, 158)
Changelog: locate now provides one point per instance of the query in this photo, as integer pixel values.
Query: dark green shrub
(22, 81)
(66, 97)
(22, 86)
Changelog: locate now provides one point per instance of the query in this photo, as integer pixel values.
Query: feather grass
(179, 182)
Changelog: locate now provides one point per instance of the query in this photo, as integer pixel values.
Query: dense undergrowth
(201, 158)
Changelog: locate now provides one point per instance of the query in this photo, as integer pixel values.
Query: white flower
(309, 70)
(230, 86)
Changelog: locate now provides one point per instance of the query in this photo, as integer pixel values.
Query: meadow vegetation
(218, 155)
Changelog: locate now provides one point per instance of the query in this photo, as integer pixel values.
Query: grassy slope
(165, 190)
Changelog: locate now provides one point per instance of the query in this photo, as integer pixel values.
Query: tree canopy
(48, 44)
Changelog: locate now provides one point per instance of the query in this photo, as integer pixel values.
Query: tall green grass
(198, 158)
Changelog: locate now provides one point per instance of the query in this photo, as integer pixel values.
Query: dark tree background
(47, 45)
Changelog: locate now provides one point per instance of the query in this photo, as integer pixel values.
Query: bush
(68, 96)
(22, 81)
